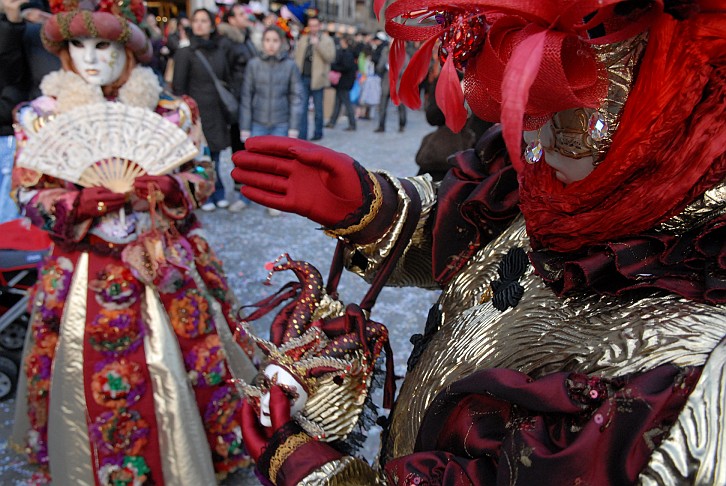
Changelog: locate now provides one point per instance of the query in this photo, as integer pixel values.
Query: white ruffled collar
(71, 91)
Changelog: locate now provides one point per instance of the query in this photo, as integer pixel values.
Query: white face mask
(100, 62)
(277, 375)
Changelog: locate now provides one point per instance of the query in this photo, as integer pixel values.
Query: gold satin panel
(711, 204)
(693, 452)
(185, 457)
(67, 407)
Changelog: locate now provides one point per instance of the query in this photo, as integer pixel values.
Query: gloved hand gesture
(166, 185)
(256, 435)
(300, 177)
(300, 455)
(97, 201)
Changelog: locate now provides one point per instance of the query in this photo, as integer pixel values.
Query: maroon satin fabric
(478, 199)
(501, 427)
(692, 265)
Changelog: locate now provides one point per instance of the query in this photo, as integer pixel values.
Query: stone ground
(247, 240)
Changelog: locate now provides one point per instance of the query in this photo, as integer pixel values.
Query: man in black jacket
(236, 29)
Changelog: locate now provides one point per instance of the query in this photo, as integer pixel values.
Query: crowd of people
(304, 60)
(352, 63)
(576, 235)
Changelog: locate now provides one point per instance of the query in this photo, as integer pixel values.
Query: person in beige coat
(314, 53)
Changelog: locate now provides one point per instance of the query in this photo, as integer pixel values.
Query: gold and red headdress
(115, 21)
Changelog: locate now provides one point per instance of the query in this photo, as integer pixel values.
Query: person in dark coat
(192, 78)
(382, 70)
(436, 147)
(345, 63)
(40, 62)
(14, 84)
(236, 30)
(179, 36)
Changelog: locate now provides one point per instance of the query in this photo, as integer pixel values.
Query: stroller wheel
(12, 337)
(8, 377)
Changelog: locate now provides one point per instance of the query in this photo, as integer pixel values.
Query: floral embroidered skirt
(127, 383)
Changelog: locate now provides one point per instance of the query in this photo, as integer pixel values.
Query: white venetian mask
(99, 61)
(275, 375)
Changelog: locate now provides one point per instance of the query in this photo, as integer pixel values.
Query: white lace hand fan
(107, 144)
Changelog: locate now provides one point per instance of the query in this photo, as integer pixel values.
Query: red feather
(396, 58)
(450, 97)
(377, 7)
(519, 74)
(415, 73)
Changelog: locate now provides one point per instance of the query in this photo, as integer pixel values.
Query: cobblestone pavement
(247, 240)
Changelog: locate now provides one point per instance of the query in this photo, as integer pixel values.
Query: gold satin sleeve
(414, 268)
(348, 471)
(695, 450)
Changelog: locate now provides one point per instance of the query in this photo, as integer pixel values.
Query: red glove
(262, 443)
(256, 435)
(97, 201)
(300, 177)
(173, 195)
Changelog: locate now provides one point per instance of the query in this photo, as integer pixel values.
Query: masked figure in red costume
(580, 247)
(126, 370)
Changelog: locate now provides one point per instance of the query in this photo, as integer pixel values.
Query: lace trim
(290, 445)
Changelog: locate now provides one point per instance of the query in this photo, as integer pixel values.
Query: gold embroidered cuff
(284, 451)
(365, 220)
(418, 273)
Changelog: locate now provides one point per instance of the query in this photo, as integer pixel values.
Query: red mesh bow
(522, 60)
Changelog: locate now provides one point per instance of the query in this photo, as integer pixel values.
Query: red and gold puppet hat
(527, 60)
(330, 349)
(115, 21)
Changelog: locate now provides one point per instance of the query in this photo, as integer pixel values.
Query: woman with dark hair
(192, 77)
(130, 341)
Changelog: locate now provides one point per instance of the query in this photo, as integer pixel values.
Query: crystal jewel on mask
(533, 152)
(597, 127)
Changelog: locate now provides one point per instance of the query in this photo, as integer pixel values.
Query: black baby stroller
(22, 247)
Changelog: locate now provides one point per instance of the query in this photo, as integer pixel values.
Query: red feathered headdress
(524, 60)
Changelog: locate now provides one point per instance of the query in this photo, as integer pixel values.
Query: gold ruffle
(347, 471)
